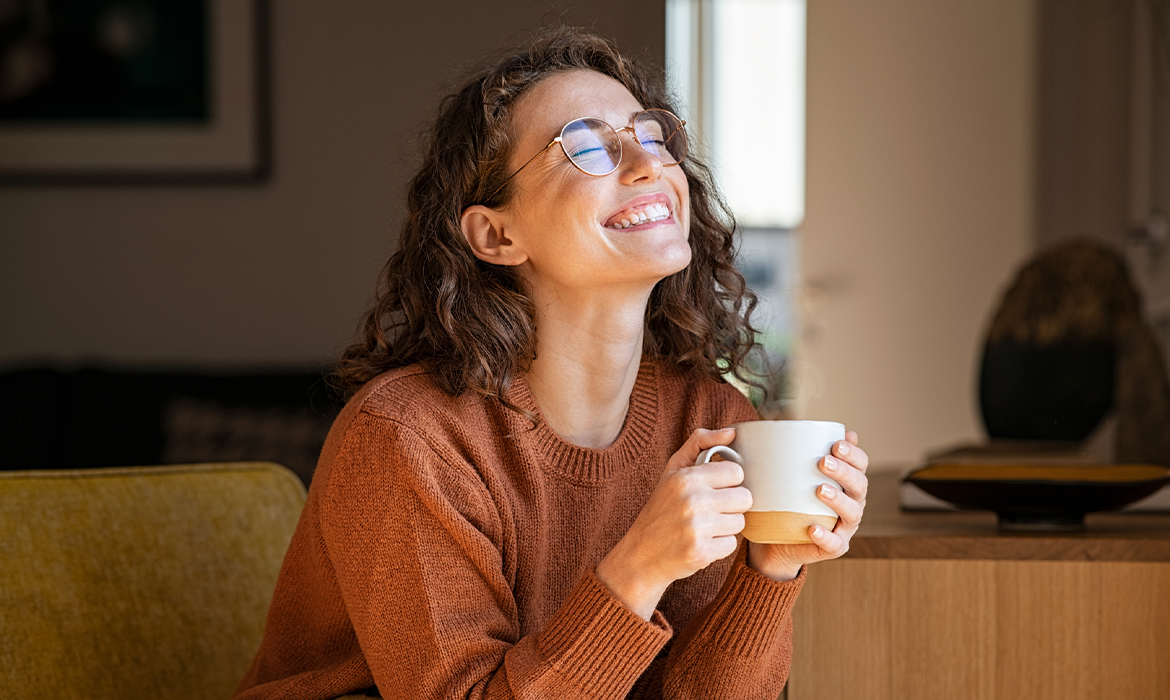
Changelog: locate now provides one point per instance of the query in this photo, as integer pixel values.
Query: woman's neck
(588, 354)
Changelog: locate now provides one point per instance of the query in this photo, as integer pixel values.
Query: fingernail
(830, 464)
(828, 491)
(818, 532)
(842, 448)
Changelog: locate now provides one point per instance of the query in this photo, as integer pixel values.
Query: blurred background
(196, 197)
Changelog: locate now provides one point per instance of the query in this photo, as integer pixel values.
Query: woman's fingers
(846, 508)
(724, 546)
(851, 453)
(851, 479)
(731, 500)
(713, 475)
(716, 486)
(702, 532)
(830, 543)
(726, 524)
(705, 439)
(699, 440)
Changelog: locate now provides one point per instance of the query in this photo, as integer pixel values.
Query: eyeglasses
(596, 149)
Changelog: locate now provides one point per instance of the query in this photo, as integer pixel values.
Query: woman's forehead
(560, 98)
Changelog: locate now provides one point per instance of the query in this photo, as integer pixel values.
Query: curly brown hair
(473, 323)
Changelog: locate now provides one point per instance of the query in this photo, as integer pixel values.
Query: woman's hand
(846, 465)
(690, 521)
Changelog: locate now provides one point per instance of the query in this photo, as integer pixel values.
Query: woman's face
(566, 223)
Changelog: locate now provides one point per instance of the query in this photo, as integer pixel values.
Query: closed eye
(586, 152)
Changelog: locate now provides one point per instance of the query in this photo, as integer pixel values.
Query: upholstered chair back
(146, 582)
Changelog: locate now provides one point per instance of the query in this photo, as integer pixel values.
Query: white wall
(920, 205)
(276, 273)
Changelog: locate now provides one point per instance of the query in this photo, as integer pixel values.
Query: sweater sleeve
(413, 540)
(740, 645)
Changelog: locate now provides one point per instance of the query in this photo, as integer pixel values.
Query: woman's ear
(484, 230)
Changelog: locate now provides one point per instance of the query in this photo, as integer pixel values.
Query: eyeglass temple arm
(526, 163)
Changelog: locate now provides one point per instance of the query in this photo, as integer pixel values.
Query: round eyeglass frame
(617, 136)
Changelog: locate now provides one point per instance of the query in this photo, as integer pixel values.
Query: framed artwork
(109, 91)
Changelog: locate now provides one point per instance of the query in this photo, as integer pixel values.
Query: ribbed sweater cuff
(750, 610)
(599, 644)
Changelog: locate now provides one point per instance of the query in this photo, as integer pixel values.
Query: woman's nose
(638, 163)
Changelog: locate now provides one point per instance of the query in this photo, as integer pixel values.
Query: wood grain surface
(935, 607)
(989, 630)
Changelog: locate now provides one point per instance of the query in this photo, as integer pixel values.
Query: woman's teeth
(654, 212)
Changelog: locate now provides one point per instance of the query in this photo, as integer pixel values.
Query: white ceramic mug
(779, 460)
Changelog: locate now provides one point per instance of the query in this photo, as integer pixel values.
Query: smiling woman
(474, 319)
(509, 506)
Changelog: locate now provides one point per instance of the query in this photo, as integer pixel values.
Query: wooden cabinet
(941, 605)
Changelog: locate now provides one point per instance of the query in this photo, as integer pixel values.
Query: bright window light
(739, 68)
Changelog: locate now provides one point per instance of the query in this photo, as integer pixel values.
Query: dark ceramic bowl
(1040, 504)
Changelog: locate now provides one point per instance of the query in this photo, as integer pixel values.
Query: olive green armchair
(149, 582)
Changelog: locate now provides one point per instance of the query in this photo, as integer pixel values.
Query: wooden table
(942, 605)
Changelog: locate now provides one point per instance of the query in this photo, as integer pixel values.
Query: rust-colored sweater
(447, 550)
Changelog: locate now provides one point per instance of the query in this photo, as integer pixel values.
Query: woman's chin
(647, 271)
(667, 264)
(663, 246)
(676, 255)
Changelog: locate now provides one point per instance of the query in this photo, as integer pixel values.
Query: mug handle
(706, 455)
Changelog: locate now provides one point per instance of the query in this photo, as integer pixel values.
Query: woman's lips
(641, 211)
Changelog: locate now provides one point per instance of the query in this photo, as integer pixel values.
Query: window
(738, 67)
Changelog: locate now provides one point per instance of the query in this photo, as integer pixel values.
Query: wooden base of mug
(783, 527)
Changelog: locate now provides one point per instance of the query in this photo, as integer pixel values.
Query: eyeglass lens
(661, 133)
(593, 145)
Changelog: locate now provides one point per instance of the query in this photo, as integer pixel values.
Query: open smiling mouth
(637, 216)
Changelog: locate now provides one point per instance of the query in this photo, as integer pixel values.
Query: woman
(507, 507)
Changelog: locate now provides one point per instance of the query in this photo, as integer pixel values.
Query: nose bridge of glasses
(634, 135)
(638, 140)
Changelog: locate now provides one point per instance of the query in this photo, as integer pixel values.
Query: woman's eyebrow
(629, 119)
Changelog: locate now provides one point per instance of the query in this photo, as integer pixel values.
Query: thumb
(699, 440)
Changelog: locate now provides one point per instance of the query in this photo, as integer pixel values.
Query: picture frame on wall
(155, 91)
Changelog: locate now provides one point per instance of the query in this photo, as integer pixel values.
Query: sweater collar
(587, 464)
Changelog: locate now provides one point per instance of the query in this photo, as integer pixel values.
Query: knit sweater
(447, 550)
